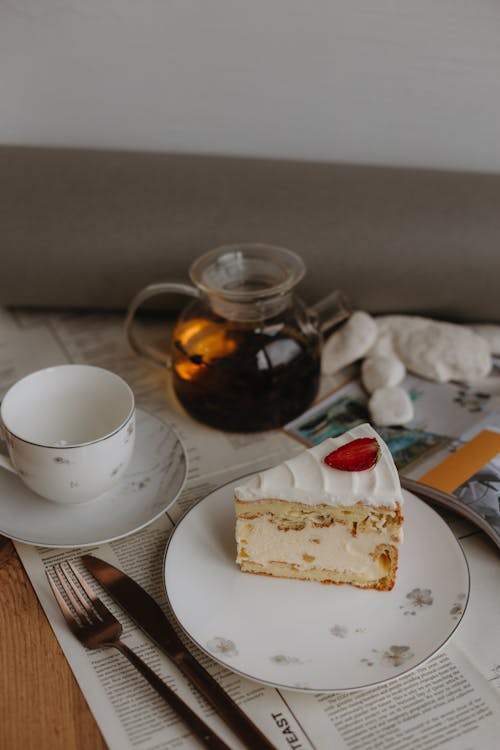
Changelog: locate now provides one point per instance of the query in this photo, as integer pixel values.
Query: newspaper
(451, 702)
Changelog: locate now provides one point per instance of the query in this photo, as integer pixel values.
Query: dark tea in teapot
(238, 376)
(245, 352)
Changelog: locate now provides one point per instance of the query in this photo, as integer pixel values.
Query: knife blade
(149, 616)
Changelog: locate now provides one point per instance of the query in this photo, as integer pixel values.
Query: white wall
(412, 82)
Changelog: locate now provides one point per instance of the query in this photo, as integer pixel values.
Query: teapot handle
(152, 290)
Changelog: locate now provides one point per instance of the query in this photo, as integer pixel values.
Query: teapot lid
(247, 272)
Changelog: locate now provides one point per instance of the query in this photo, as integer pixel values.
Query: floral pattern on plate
(396, 656)
(342, 631)
(417, 599)
(224, 646)
(457, 609)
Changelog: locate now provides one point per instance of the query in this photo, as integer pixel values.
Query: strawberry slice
(358, 455)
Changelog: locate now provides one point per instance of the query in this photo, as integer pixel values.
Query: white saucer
(153, 481)
(301, 635)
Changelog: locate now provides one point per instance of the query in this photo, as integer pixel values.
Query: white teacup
(69, 431)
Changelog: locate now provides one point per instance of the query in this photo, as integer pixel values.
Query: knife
(148, 615)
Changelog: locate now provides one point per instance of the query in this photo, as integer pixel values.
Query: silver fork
(96, 627)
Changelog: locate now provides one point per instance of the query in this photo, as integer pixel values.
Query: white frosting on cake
(307, 479)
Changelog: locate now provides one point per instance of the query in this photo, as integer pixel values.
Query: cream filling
(329, 548)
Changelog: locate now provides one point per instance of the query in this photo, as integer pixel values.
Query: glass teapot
(245, 352)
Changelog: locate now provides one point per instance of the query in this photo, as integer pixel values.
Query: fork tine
(67, 614)
(82, 609)
(83, 583)
(83, 601)
(74, 588)
(99, 606)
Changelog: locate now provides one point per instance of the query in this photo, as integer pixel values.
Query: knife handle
(224, 705)
(193, 721)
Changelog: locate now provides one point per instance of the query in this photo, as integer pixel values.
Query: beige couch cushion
(88, 228)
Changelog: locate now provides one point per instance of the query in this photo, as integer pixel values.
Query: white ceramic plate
(307, 636)
(152, 482)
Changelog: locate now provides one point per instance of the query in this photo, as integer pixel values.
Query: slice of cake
(330, 514)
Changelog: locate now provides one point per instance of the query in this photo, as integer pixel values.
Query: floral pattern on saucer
(282, 660)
